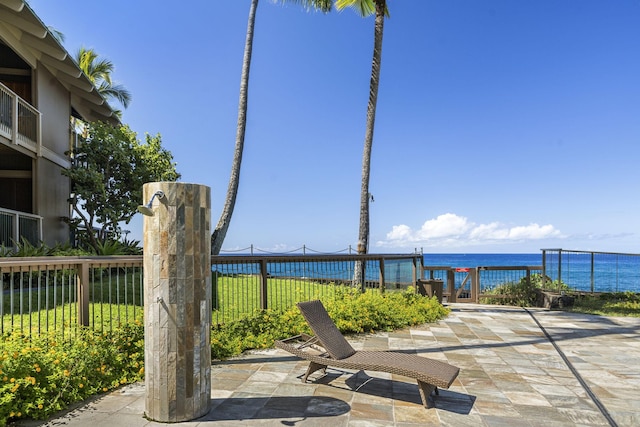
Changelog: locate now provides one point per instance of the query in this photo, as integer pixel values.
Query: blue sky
(502, 126)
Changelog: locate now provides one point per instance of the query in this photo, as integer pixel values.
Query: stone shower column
(177, 301)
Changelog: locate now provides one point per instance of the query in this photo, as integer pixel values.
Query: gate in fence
(470, 284)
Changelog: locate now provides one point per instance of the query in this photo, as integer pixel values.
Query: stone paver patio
(518, 368)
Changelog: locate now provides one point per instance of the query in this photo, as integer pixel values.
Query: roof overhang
(27, 35)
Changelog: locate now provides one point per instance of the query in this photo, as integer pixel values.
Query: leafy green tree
(366, 8)
(109, 167)
(220, 232)
(99, 71)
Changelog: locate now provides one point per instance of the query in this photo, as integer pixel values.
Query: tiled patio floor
(511, 375)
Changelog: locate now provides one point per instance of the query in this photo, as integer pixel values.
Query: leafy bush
(41, 375)
(523, 293)
(254, 332)
(351, 310)
(104, 248)
(117, 247)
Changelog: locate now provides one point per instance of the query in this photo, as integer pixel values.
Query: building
(41, 90)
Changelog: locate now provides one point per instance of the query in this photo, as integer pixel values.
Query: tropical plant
(523, 293)
(44, 374)
(109, 167)
(99, 71)
(220, 232)
(366, 8)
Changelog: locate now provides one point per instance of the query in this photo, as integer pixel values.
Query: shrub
(41, 375)
(107, 247)
(523, 293)
(351, 310)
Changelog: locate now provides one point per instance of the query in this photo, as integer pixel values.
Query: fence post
(16, 231)
(451, 284)
(559, 268)
(544, 269)
(382, 278)
(593, 281)
(414, 271)
(82, 279)
(14, 122)
(475, 284)
(264, 276)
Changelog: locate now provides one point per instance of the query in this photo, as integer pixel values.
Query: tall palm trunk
(363, 234)
(234, 181)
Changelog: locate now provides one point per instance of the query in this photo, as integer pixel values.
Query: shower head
(146, 209)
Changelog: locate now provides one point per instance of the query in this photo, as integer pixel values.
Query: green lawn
(117, 298)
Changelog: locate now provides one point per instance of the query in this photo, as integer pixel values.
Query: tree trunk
(365, 196)
(220, 231)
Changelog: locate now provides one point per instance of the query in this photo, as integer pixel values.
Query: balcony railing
(16, 226)
(19, 121)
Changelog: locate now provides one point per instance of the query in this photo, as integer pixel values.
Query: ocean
(583, 271)
(482, 260)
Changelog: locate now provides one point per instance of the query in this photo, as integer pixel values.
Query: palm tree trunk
(220, 231)
(363, 234)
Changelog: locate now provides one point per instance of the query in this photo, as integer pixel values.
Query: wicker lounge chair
(329, 348)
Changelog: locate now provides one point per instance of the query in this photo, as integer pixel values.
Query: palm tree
(99, 72)
(366, 8)
(220, 232)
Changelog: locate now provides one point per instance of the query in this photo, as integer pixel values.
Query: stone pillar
(177, 301)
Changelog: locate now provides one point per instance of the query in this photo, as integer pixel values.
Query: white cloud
(451, 230)
(446, 225)
(400, 232)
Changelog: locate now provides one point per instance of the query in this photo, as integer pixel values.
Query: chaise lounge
(329, 348)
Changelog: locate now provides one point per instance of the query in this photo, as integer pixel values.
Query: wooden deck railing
(42, 294)
(63, 293)
(19, 120)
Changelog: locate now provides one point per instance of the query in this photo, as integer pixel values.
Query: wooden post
(82, 280)
(264, 276)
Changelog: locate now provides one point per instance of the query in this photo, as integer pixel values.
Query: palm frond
(363, 7)
(118, 92)
(322, 5)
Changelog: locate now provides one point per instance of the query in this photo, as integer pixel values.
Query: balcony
(19, 121)
(16, 226)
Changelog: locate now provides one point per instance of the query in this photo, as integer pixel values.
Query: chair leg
(313, 366)
(425, 393)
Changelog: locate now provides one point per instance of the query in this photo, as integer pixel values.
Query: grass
(116, 297)
(49, 304)
(236, 296)
(608, 304)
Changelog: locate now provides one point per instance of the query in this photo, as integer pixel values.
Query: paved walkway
(518, 368)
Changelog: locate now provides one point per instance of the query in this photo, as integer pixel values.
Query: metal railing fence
(61, 294)
(15, 225)
(243, 284)
(592, 272)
